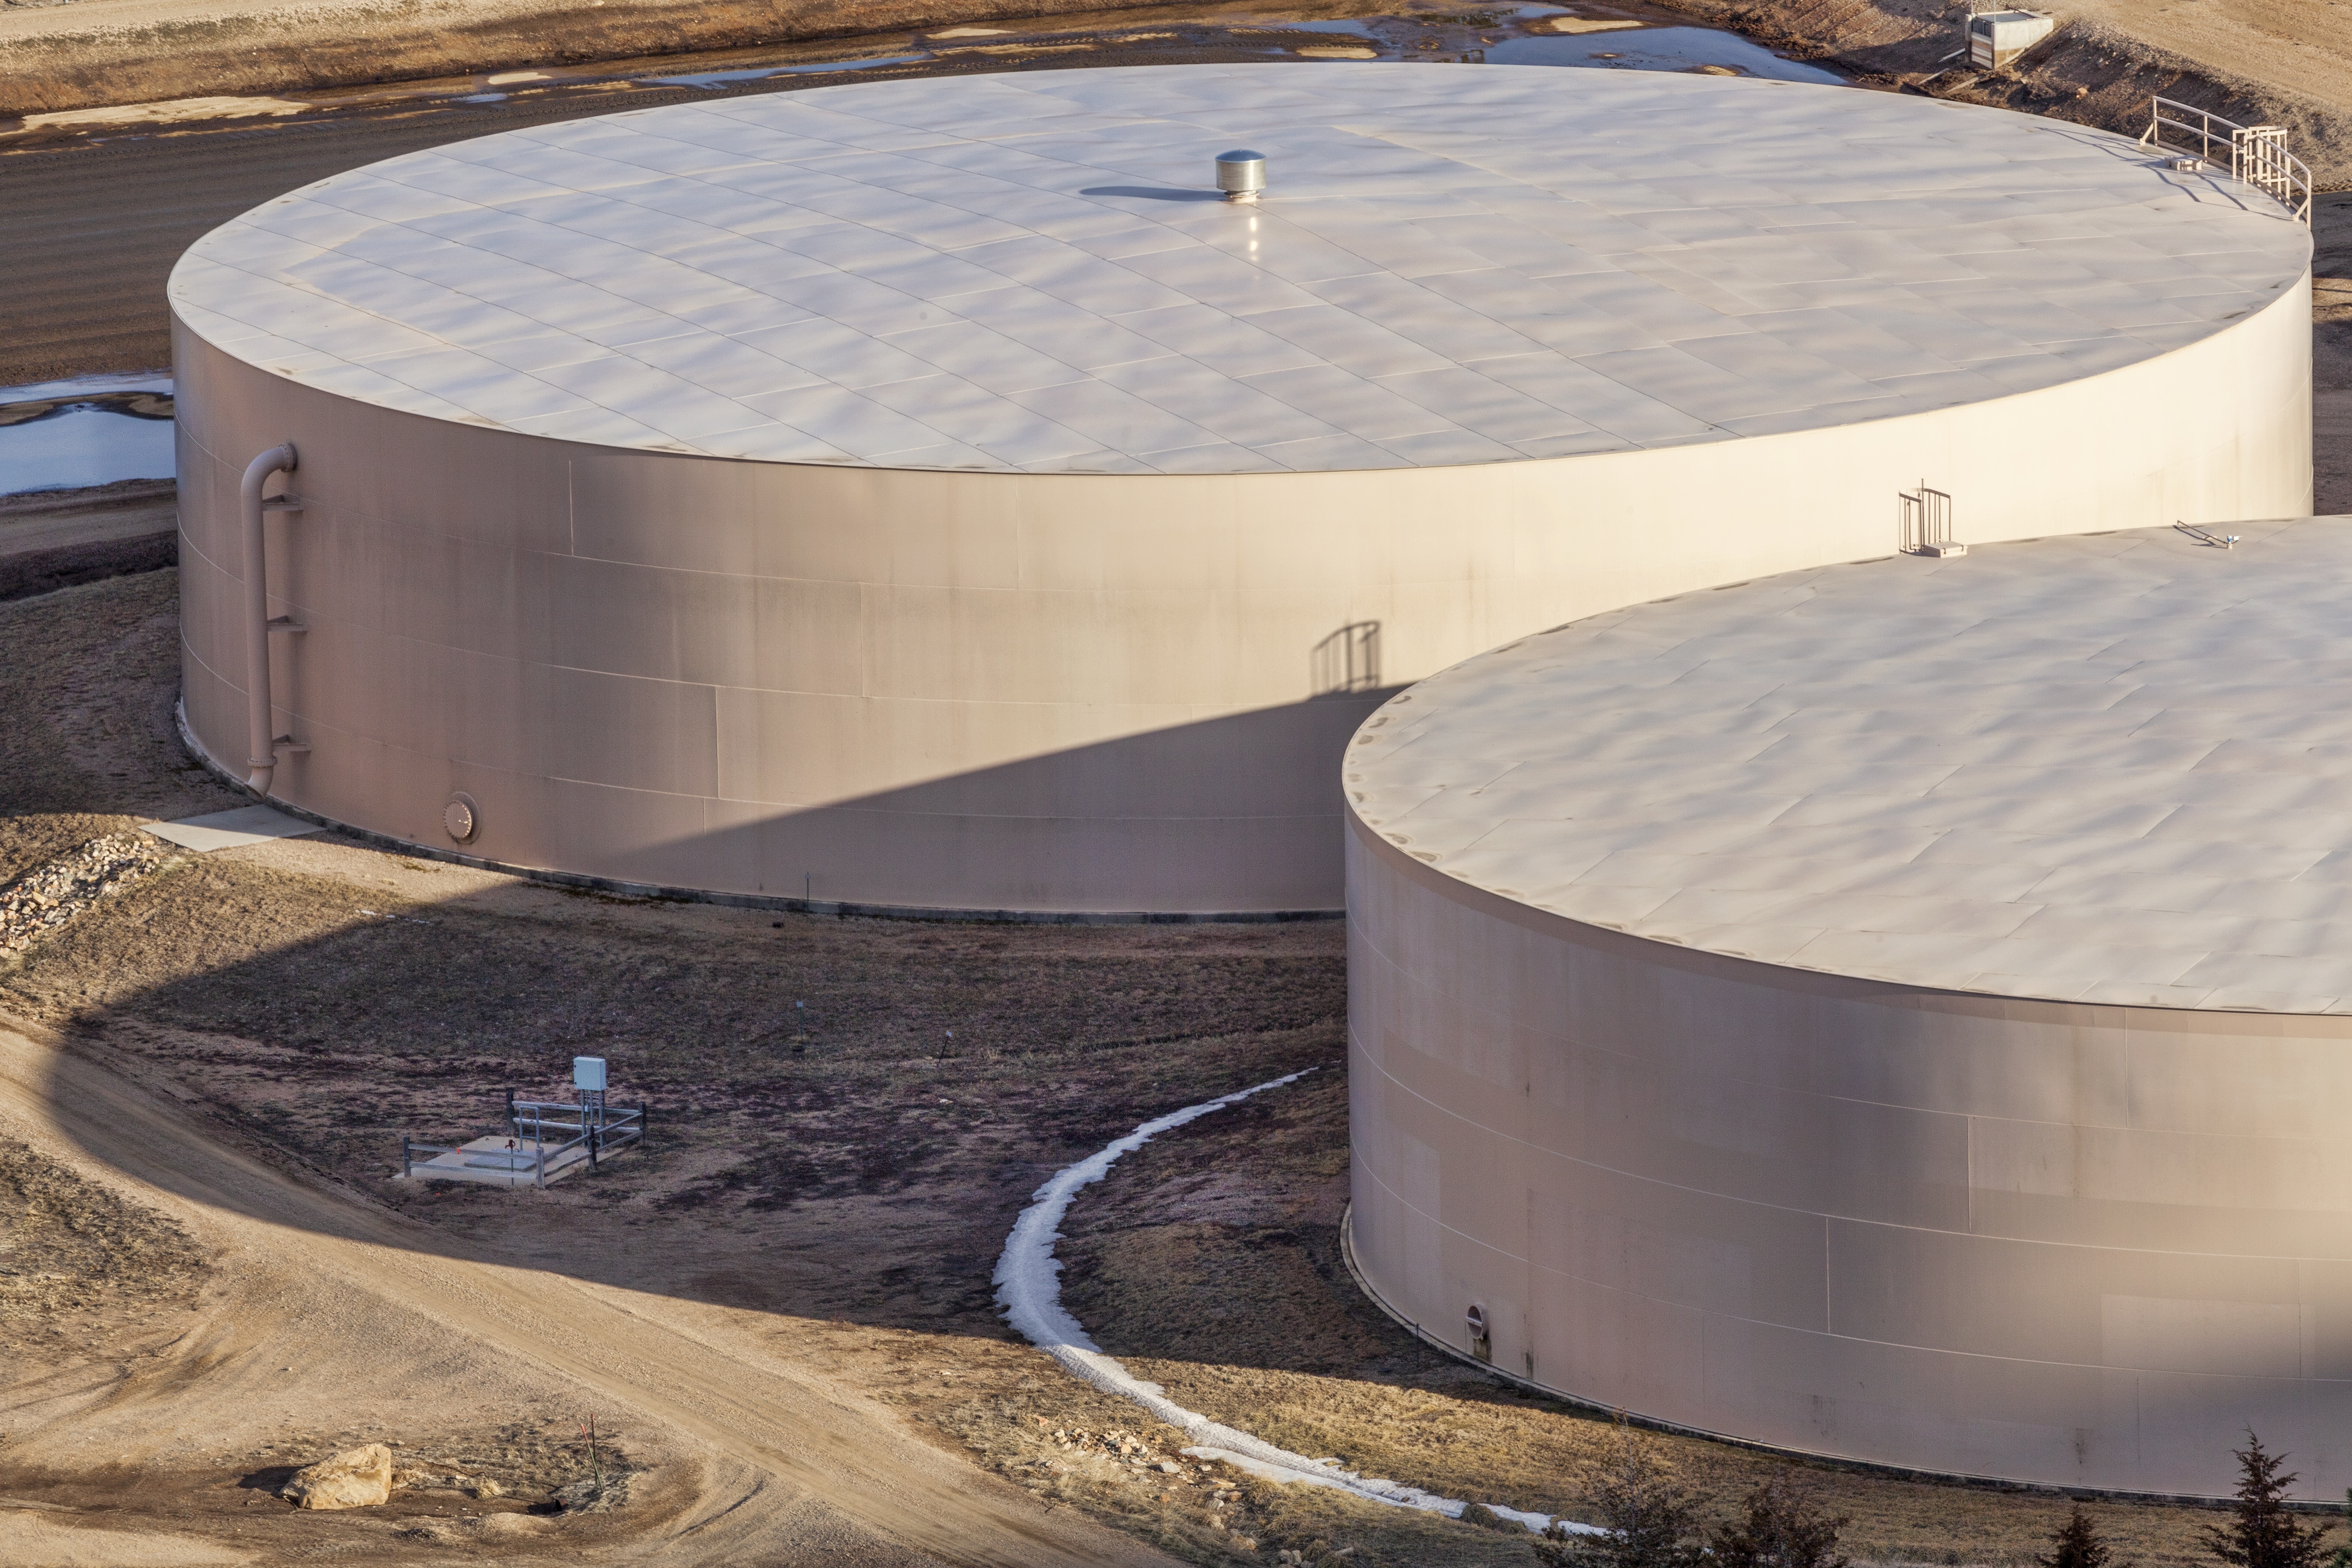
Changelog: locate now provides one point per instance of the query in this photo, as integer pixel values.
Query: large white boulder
(356, 1477)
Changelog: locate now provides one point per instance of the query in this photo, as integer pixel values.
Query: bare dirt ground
(129, 51)
(781, 1306)
(56, 538)
(2283, 62)
(2331, 354)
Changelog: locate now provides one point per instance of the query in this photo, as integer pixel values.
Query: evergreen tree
(2077, 1544)
(1648, 1519)
(2261, 1533)
(1786, 1528)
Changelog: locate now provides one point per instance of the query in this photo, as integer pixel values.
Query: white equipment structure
(1997, 38)
(544, 1140)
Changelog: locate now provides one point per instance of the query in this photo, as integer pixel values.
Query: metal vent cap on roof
(1241, 175)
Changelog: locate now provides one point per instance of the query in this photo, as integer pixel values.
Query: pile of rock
(1124, 1447)
(593, 1495)
(367, 1476)
(475, 1486)
(41, 900)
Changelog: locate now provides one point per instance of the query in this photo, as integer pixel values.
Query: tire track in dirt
(827, 1476)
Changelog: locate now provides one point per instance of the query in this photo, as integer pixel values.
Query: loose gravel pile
(36, 904)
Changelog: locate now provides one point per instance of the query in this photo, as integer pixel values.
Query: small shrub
(1648, 1519)
(2077, 1544)
(1786, 1527)
(2261, 1533)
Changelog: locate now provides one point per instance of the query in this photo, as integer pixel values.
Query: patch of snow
(1029, 1287)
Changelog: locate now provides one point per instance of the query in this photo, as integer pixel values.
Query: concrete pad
(231, 829)
(499, 1161)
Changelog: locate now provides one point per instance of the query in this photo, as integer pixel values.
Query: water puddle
(1700, 49)
(760, 73)
(70, 435)
(1346, 25)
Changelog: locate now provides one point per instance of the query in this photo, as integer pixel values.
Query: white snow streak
(1029, 1288)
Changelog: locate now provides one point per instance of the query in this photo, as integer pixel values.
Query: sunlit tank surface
(931, 494)
(1900, 1011)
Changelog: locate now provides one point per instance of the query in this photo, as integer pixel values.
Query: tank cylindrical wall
(2074, 1244)
(1051, 692)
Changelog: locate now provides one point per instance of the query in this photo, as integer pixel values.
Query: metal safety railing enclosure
(1928, 522)
(594, 1126)
(2258, 154)
(599, 1128)
(413, 1150)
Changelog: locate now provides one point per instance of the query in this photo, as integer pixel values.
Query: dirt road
(794, 1469)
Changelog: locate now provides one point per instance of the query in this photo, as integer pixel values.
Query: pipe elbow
(258, 471)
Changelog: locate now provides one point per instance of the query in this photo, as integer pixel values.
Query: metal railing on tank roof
(2258, 154)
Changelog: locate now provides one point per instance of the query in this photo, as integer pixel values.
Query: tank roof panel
(1034, 272)
(2113, 768)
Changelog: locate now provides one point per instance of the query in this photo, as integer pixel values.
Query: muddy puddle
(1704, 51)
(70, 435)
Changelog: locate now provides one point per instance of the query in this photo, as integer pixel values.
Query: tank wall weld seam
(1808, 1456)
(1774, 1206)
(1503, 1022)
(1029, 1288)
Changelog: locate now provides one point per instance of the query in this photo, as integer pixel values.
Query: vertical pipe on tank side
(262, 746)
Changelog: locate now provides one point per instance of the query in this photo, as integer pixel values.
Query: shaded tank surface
(929, 494)
(1901, 1011)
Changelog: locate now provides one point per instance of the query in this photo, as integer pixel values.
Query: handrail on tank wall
(264, 745)
(2258, 153)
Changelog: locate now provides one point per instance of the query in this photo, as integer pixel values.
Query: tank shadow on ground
(1210, 802)
(802, 1159)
